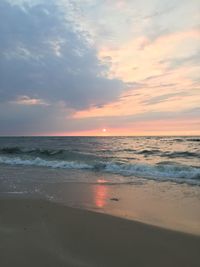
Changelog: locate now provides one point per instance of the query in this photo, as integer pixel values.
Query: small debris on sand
(114, 199)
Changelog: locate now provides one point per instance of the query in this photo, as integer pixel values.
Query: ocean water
(123, 160)
(155, 179)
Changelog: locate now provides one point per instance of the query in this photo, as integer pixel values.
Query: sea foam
(172, 172)
(44, 163)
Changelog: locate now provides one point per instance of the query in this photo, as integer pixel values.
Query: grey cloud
(173, 63)
(154, 77)
(26, 120)
(43, 55)
(163, 98)
(160, 12)
(130, 120)
(29, 120)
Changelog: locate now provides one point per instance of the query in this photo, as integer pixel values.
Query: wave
(193, 139)
(44, 163)
(183, 139)
(180, 154)
(149, 152)
(172, 172)
(53, 154)
(67, 154)
(175, 154)
(178, 140)
(18, 150)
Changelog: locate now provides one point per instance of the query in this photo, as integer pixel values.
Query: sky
(99, 67)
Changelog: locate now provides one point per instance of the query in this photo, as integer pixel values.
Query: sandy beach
(41, 233)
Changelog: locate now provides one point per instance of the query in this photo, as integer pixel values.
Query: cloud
(174, 63)
(20, 119)
(26, 100)
(43, 55)
(163, 98)
(160, 12)
(58, 68)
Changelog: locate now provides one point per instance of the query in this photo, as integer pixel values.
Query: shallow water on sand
(166, 204)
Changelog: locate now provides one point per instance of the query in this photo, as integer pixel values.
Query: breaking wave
(162, 171)
(44, 163)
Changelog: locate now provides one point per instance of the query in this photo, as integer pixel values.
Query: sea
(122, 160)
(155, 180)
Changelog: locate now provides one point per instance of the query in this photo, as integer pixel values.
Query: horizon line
(98, 135)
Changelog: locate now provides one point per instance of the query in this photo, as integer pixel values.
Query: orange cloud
(139, 58)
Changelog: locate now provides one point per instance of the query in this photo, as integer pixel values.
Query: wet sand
(163, 204)
(41, 233)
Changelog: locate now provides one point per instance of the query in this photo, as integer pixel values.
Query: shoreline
(164, 204)
(37, 232)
